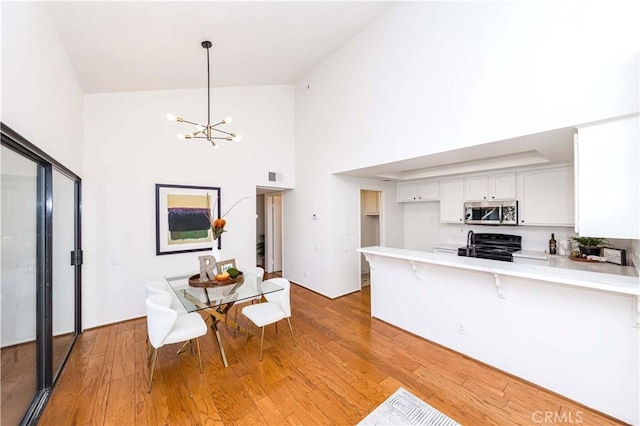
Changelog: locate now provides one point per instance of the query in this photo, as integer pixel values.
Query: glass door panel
(18, 284)
(63, 280)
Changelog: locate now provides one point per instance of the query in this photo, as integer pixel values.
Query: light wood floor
(18, 377)
(345, 364)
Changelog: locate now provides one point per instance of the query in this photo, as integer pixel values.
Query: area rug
(403, 408)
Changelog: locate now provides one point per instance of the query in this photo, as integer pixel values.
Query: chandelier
(206, 131)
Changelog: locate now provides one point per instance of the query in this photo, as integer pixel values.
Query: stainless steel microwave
(491, 212)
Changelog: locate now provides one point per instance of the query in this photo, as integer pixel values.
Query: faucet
(471, 243)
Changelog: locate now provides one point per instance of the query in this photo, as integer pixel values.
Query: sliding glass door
(18, 284)
(63, 282)
(40, 275)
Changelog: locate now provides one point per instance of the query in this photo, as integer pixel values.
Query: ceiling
(554, 146)
(137, 46)
(155, 45)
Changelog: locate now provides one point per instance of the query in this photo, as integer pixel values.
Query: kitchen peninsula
(576, 333)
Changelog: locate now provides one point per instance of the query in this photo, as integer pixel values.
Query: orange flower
(217, 225)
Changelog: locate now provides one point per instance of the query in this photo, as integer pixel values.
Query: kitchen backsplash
(423, 230)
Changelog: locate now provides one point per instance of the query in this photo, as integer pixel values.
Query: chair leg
(183, 347)
(149, 351)
(261, 343)
(291, 329)
(276, 326)
(199, 356)
(246, 339)
(153, 367)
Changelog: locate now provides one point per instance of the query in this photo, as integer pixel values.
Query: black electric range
(492, 246)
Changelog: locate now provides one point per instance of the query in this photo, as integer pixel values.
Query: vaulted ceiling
(155, 45)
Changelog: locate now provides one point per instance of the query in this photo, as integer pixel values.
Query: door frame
(381, 227)
(273, 232)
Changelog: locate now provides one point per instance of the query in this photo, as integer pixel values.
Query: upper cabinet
(451, 201)
(607, 176)
(501, 186)
(371, 203)
(546, 197)
(418, 191)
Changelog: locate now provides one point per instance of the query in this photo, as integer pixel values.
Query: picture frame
(182, 218)
(616, 256)
(223, 265)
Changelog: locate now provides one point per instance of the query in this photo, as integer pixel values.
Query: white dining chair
(259, 272)
(277, 307)
(161, 287)
(165, 327)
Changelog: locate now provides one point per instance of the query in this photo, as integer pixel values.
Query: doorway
(40, 275)
(269, 241)
(370, 221)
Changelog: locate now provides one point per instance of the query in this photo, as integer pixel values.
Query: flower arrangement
(218, 224)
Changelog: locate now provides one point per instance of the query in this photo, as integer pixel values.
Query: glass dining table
(217, 300)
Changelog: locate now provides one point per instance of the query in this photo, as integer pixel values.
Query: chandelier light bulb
(236, 138)
(180, 136)
(227, 120)
(172, 117)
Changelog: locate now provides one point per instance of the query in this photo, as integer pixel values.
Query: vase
(215, 252)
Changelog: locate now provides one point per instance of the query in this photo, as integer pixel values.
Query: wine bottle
(552, 245)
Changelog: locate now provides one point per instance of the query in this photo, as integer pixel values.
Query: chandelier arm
(191, 122)
(204, 137)
(222, 131)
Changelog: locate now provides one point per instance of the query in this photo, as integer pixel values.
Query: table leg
(224, 357)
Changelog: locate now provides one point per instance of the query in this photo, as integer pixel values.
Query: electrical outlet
(460, 328)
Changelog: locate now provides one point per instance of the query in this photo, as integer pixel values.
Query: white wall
(42, 101)
(431, 77)
(320, 254)
(130, 146)
(41, 96)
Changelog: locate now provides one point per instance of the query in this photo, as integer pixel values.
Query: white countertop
(558, 270)
(447, 246)
(557, 261)
(530, 254)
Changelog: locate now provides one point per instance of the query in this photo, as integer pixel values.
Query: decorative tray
(194, 281)
(582, 259)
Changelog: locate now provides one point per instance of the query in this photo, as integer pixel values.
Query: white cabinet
(451, 201)
(607, 177)
(418, 191)
(501, 186)
(545, 197)
(371, 203)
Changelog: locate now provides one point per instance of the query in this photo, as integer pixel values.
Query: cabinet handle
(493, 196)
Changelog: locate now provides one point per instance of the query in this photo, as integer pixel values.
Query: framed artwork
(182, 218)
(223, 265)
